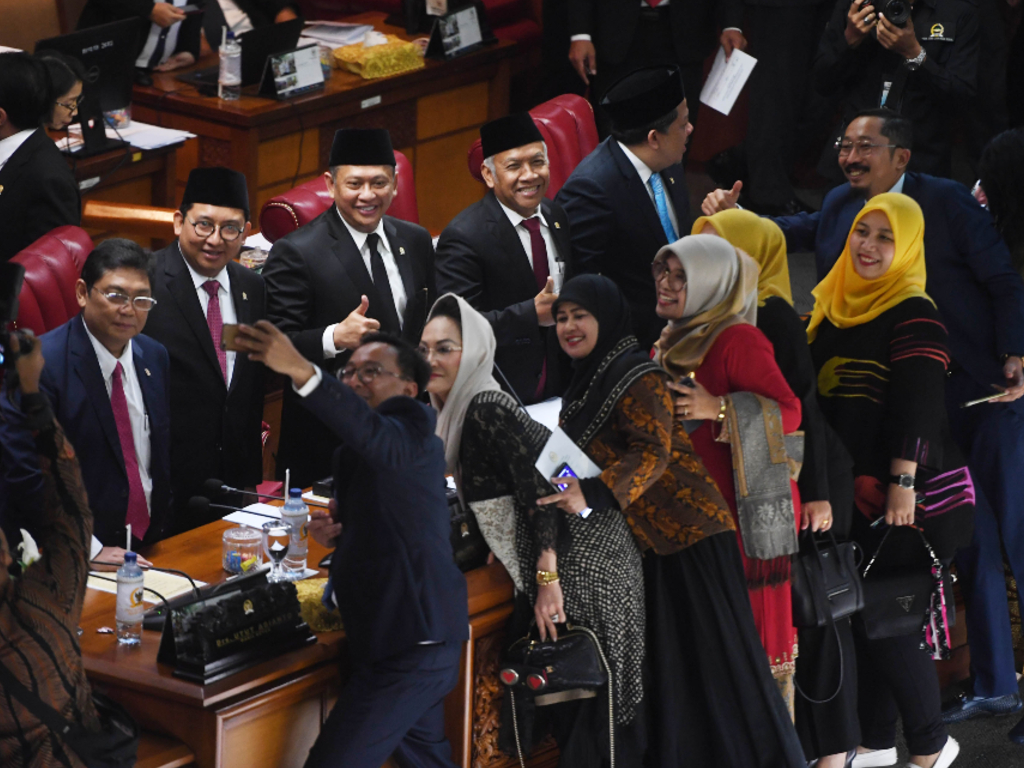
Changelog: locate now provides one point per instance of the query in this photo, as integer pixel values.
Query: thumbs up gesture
(721, 199)
(350, 331)
(542, 303)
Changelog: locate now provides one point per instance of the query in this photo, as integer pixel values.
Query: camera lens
(896, 11)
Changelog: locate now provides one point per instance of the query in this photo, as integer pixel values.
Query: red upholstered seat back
(290, 210)
(567, 124)
(53, 264)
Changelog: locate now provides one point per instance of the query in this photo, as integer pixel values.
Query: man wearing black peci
(350, 270)
(216, 394)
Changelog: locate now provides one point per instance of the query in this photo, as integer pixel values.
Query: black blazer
(612, 24)
(315, 277)
(481, 258)
(38, 193)
(216, 430)
(615, 227)
(97, 12)
(393, 572)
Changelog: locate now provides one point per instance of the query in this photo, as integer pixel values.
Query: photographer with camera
(919, 59)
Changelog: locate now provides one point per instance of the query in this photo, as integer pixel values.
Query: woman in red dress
(707, 290)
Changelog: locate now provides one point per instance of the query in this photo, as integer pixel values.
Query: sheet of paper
(311, 498)
(336, 33)
(726, 80)
(546, 412)
(560, 449)
(140, 135)
(260, 508)
(255, 515)
(169, 585)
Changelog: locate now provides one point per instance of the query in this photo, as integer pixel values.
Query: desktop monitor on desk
(107, 54)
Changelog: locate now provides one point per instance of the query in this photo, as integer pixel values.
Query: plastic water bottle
(130, 607)
(296, 514)
(230, 80)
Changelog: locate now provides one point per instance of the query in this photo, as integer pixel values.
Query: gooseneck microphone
(214, 488)
(201, 505)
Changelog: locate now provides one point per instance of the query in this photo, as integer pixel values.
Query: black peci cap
(217, 186)
(362, 146)
(509, 132)
(644, 96)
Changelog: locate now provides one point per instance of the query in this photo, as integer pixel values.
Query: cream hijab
(721, 291)
(474, 376)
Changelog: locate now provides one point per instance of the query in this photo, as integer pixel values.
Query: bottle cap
(131, 557)
(295, 493)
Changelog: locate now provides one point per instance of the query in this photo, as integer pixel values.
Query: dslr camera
(896, 11)
(11, 276)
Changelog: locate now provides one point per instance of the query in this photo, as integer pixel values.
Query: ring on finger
(554, 617)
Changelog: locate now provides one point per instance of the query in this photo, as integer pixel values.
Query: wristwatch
(903, 481)
(917, 61)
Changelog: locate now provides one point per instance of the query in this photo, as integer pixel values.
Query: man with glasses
(981, 299)
(108, 387)
(393, 578)
(216, 394)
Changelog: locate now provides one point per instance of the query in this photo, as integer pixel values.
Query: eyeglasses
(118, 299)
(441, 351)
(864, 148)
(367, 374)
(72, 105)
(228, 232)
(676, 280)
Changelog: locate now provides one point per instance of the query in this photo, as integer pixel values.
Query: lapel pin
(401, 250)
(671, 179)
(557, 225)
(1, 189)
(147, 371)
(244, 296)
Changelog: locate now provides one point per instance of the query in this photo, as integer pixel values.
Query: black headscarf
(616, 359)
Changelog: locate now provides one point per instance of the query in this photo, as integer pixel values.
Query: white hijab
(475, 376)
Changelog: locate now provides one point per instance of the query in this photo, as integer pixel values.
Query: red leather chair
(290, 210)
(53, 264)
(567, 124)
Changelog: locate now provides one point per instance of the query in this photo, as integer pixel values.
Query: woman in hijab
(825, 669)
(707, 290)
(712, 697)
(880, 350)
(584, 571)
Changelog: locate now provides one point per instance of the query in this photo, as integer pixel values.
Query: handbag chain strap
(936, 563)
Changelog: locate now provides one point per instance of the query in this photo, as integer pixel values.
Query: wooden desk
(271, 714)
(433, 114)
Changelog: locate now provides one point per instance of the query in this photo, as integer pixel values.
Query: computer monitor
(107, 54)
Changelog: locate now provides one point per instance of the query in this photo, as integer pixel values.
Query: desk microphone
(201, 504)
(214, 488)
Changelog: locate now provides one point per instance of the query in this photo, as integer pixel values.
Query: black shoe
(968, 708)
(1017, 733)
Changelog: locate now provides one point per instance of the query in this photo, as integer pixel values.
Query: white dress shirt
(555, 267)
(12, 143)
(390, 266)
(897, 188)
(237, 19)
(170, 43)
(227, 303)
(645, 174)
(136, 405)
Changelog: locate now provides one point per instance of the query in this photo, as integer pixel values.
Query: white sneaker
(946, 756)
(878, 758)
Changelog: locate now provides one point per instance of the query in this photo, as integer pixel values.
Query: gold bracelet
(721, 410)
(546, 577)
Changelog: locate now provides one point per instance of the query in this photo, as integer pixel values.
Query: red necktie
(653, 3)
(138, 512)
(216, 324)
(540, 274)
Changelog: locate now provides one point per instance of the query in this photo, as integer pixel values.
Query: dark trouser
(557, 73)
(832, 727)
(392, 708)
(992, 436)
(784, 41)
(652, 44)
(897, 679)
(987, 115)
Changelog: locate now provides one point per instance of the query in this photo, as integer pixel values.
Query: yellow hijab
(846, 299)
(763, 241)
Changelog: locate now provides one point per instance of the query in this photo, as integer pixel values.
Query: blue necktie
(662, 205)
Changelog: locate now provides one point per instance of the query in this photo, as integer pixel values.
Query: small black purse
(469, 547)
(826, 585)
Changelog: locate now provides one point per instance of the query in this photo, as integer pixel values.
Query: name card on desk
(459, 32)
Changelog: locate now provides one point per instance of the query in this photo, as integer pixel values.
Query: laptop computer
(257, 45)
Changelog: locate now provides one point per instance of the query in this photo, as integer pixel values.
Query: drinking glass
(276, 538)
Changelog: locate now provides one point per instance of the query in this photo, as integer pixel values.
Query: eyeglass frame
(123, 299)
(661, 265)
(427, 351)
(347, 373)
(866, 149)
(73, 106)
(216, 228)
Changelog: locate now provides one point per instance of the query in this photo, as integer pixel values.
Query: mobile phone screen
(566, 471)
(227, 337)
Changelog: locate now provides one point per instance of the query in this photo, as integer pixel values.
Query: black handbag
(552, 671)
(826, 584)
(115, 745)
(912, 598)
(469, 548)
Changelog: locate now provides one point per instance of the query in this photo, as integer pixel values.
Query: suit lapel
(243, 314)
(416, 292)
(147, 383)
(345, 251)
(183, 291)
(644, 211)
(559, 228)
(519, 263)
(87, 368)
(674, 182)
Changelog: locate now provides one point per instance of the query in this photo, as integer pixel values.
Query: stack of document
(336, 33)
(139, 135)
(255, 515)
(168, 585)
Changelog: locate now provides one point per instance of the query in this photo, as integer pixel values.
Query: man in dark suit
(507, 256)
(38, 192)
(628, 197)
(350, 270)
(393, 577)
(108, 387)
(610, 38)
(216, 394)
(981, 299)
